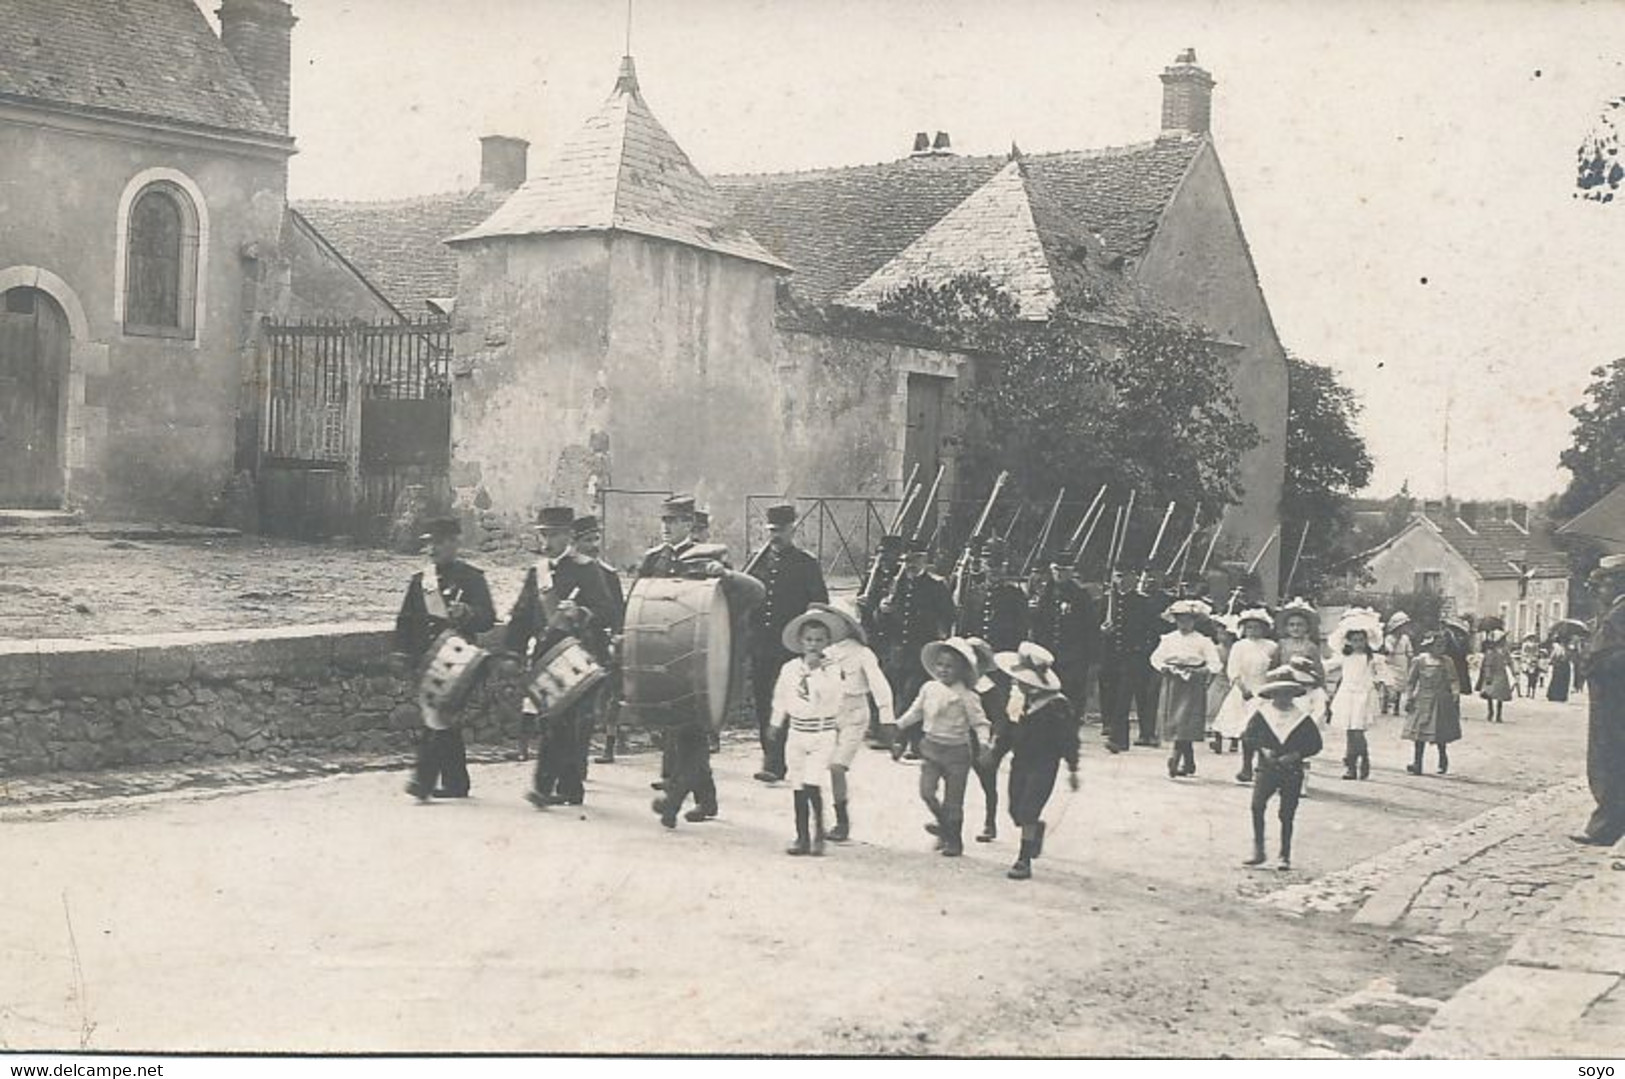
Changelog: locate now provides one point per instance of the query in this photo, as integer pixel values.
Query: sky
(1404, 172)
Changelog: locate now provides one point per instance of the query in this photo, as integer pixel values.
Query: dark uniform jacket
(572, 574)
(998, 615)
(663, 560)
(1067, 622)
(416, 629)
(922, 610)
(794, 581)
(1136, 627)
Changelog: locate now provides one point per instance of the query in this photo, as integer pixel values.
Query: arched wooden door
(34, 342)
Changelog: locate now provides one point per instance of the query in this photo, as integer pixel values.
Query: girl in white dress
(1251, 659)
(1364, 684)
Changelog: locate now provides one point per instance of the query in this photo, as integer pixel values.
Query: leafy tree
(1326, 465)
(1140, 400)
(1596, 460)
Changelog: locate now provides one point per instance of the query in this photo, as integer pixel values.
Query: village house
(1483, 559)
(644, 308)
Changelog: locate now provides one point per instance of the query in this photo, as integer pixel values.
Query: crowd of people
(954, 674)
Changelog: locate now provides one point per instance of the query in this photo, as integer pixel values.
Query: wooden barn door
(922, 442)
(33, 363)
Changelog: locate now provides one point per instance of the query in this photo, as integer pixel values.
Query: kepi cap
(437, 528)
(555, 518)
(781, 513)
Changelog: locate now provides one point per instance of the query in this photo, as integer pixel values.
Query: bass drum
(676, 653)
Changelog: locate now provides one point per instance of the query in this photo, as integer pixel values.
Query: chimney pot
(258, 34)
(1187, 97)
(503, 162)
(922, 142)
(941, 144)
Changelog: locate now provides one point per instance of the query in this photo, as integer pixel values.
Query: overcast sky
(1371, 147)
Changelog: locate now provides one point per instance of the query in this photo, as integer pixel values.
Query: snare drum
(452, 672)
(562, 676)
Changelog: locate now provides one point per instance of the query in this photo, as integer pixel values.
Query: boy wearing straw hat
(807, 699)
(793, 580)
(954, 729)
(1283, 731)
(862, 681)
(1042, 735)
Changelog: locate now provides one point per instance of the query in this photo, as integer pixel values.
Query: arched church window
(160, 278)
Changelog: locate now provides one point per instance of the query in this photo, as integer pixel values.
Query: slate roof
(838, 226)
(399, 246)
(1491, 547)
(1603, 521)
(622, 170)
(1012, 233)
(148, 59)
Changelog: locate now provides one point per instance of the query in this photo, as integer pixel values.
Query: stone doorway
(34, 346)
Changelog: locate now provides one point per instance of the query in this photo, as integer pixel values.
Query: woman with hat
(1432, 702)
(1251, 659)
(1186, 659)
(954, 729)
(1397, 649)
(862, 681)
(1360, 690)
(1495, 674)
(1283, 731)
(807, 700)
(1042, 734)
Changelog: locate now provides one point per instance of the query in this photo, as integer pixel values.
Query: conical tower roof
(623, 171)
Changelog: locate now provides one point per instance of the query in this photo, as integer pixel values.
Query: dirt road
(335, 915)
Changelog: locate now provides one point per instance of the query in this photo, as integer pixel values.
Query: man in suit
(794, 581)
(564, 595)
(447, 594)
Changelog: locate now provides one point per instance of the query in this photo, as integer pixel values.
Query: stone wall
(75, 705)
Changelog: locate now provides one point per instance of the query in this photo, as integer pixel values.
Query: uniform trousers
(1074, 676)
(561, 767)
(687, 768)
(442, 761)
(1129, 682)
(764, 675)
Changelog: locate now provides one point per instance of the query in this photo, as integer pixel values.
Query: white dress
(1250, 662)
(1358, 701)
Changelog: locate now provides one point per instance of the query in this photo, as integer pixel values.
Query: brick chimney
(503, 162)
(258, 34)
(1187, 97)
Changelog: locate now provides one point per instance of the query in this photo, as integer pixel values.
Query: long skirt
(1182, 711)
(1558, 689)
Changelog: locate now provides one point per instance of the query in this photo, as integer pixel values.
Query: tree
(1326, 464)
(1596, 460)
(1398, 510)
(1083, 399)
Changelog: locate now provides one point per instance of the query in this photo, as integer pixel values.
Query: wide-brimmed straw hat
(1031, 665)
(1194, 607)
(1357, 620)
(1255, 614)
(958, 646)
(846, 609)
(1283, 682)
(1397, 619)
(837, 626)
(985, 664)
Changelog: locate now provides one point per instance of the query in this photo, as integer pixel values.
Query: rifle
(1119, 528)
(1011, 529)
(1087, 514)
(1122, 538)
(1190, 544)
(1292, 574)
(928, 505)
(1089, 535)
(967, 558)
(1268, 543)
(1043, 535)
(877, 564)
(1218, 527)
(1156, 545)
(908, 500)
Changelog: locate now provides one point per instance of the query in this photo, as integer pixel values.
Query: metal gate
(352, 413)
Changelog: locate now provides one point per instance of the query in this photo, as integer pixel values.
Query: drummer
(589, 538)
(564, 595)
(676, 537)
(794, 581)
(448, 594)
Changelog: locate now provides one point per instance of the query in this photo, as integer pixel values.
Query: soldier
(883, 573)
(917, 610)
(1128, 637)
(701, 532)
(447, 594)
(563, 595)
(794, 581)
(676, 536)
(1066, 623)
(589, 538)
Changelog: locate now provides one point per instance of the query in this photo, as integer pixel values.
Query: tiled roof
(621, 170)
(1016, 236)
(154, 59)
(1495, 548)
(399, 246)
(837, 227)
(1604, 520)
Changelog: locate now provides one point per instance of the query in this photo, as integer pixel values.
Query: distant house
(1602, 524)
(1483, 560)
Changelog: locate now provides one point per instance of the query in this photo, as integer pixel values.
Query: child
(994, 689)
(1495, 675)
(1186, 659)
(1040, 735)
(1283, 732)
(861, 681)
(1432, 702)
(1397, 646)
(1364, 685)
(1251, 660)
(1225, 632)
(807, 697)
(954, 726)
